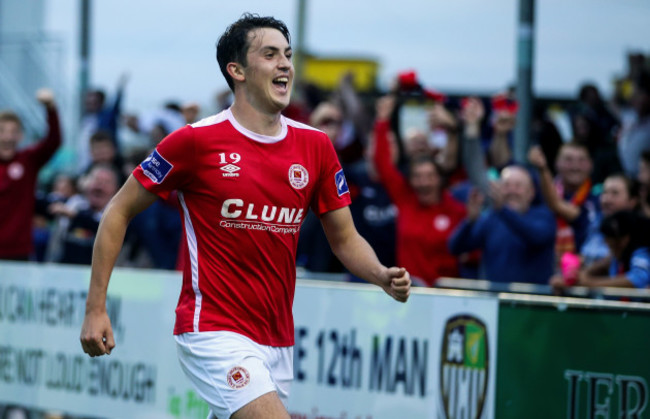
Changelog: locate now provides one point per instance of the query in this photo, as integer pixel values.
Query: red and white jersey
(243, 198)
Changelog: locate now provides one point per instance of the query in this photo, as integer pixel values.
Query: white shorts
(229, 370)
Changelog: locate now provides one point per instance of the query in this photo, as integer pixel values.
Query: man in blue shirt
(517, 238)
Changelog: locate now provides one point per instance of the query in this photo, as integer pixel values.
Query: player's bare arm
(96, 332)
(357, 255)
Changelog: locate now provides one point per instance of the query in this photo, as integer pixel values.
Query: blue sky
(167, 46)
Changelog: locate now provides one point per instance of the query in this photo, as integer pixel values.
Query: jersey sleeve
(169, 166)
(332, 191)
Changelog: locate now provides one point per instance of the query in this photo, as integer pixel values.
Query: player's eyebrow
(269, 48)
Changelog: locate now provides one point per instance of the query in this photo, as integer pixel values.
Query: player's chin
(278, 104)
(282, 101)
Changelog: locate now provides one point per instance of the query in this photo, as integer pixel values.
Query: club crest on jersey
(155, 167)
(441, 222)
(15, 170)
(238, 377)
(298, 176)
(341, 183)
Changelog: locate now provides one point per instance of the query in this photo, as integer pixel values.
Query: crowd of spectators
(443, 199)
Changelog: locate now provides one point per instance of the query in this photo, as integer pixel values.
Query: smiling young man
(245, 178)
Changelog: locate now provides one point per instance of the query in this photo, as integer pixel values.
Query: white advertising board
(358, 354)
(42, 364)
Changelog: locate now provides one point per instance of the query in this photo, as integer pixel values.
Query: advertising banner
(43, 366)
(358, 353)
(569, 362)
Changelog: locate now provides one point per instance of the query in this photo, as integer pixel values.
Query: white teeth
(282, 80)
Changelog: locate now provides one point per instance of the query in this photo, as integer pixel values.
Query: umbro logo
(230, 170)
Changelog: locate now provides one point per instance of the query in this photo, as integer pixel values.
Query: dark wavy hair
(632, 185)
(627, 223)
(234, 43)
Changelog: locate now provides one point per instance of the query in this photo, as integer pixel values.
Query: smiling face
(327, 117)
(425, 181)
(10, 135)
(102, 185)
(518, 188)
(615, 196)
(267, 77)
(102, 151)
(573, 165)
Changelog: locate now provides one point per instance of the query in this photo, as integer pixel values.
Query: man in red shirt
(18, 176)
(245, 180)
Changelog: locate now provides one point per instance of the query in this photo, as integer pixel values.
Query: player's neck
(256, 120)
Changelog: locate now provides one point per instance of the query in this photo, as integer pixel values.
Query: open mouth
(281, 82)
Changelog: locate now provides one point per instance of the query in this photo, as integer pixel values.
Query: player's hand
(46, 97)
(97, 334)
(397, 283)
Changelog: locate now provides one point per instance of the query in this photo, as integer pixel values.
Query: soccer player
(245, 179)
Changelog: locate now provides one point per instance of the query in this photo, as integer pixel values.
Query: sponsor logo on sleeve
(155, 167)
(341, 183)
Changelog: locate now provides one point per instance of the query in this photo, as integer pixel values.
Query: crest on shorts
(238, 377)
(298, 176)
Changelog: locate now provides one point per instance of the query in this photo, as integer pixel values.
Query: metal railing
(631, 294)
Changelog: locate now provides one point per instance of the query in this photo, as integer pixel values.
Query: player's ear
(236, 71)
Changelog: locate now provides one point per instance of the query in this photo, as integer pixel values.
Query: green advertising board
(564, 361)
